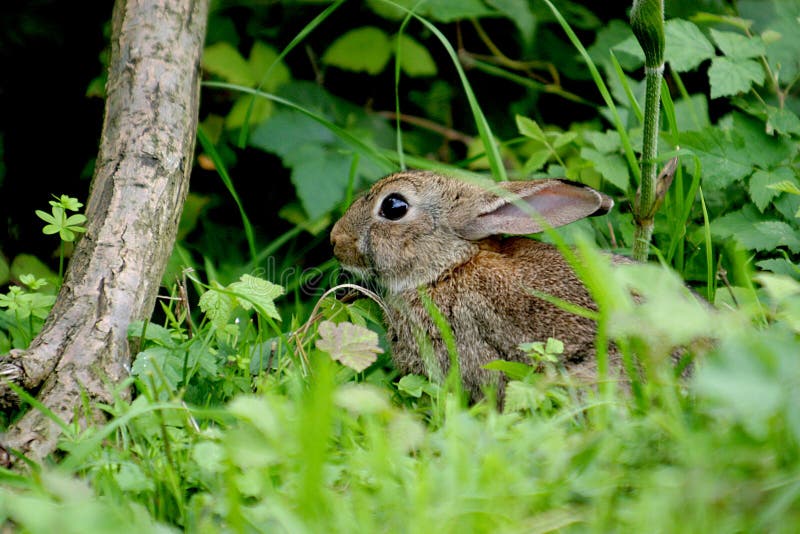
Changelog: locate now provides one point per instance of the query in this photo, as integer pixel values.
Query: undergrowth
(257, 408)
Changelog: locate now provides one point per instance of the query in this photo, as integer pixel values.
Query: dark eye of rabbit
(393, 207)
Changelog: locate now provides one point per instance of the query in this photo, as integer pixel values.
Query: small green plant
(66, 226)
(25, 310)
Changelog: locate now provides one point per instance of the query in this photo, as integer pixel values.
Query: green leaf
(48, 218)
(733, 76)
(754, 233)
(521, 396)
(536, 161)
(361, 399)
(415, 60)
(783, 121)
(217, 306)
(514, 370)
(452, 10)
(253, 291)
(762, 182)
(738, 46)
(352, 345)
(687, 47)
(364, 49)
(529, 128)
(605, 142)
(611, 166)
(261, 110)
(262, 58)
(412, 385)
(320, 177)
(223, 60)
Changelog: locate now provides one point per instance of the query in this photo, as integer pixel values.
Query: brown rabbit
(420, 229)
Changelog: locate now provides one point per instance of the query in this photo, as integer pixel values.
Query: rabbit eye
(393, 207)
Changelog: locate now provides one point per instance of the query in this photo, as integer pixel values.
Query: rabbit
(420, 229)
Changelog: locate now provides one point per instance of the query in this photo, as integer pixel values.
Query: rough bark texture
(135, 202)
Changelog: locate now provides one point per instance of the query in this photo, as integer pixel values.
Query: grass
(308, 445)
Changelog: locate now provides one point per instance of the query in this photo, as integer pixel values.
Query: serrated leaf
(529, 128)
(520, 396)
(320, 177)
(729, 77)
(535, 161)
(687, 47)
(736, 45)
(223, 60)
(217, 306)
(252, 291)
(352, 345)
(754, 233)
(415, 60)
(783, 121)
(364, 49)
(612, 167)
(605, 142)
(761, 190)
(723, 160)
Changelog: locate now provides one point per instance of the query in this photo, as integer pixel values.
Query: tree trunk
(136, 198)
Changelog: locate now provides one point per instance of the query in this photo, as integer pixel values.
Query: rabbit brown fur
(422, 230)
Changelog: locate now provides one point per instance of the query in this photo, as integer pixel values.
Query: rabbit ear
(557, 202)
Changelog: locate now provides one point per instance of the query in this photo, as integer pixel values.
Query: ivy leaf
(252, 291)
(363, 49)
(733, 76)
(687, 47)
(352, 345)
(415, 60)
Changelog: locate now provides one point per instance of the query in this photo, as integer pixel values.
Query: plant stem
(647, 22)
(646, 200)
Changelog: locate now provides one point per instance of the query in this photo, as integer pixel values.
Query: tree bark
(135, 202)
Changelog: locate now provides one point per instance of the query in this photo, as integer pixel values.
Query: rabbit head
(412, 227)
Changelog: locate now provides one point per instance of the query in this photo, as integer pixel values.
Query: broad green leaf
(762, 149)
(415, 60)
(251, 290)
(514, 370)
(412, 385)
(755, 233)
(733, 76)
(723, 160)
(692, 113)
(737, 46)
(261, 110)
(783, 121)
(286, 129)
(364, 49)
(760, 185)
(352, 345)
(784, 54)
(225, 61)
(262, 57)
(605, 142)
(521, 396)
(611, 166)
(780, 266)
(217, 306)
(687, 47)
(320, 177)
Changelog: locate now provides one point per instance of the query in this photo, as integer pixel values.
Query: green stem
(646, 201)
